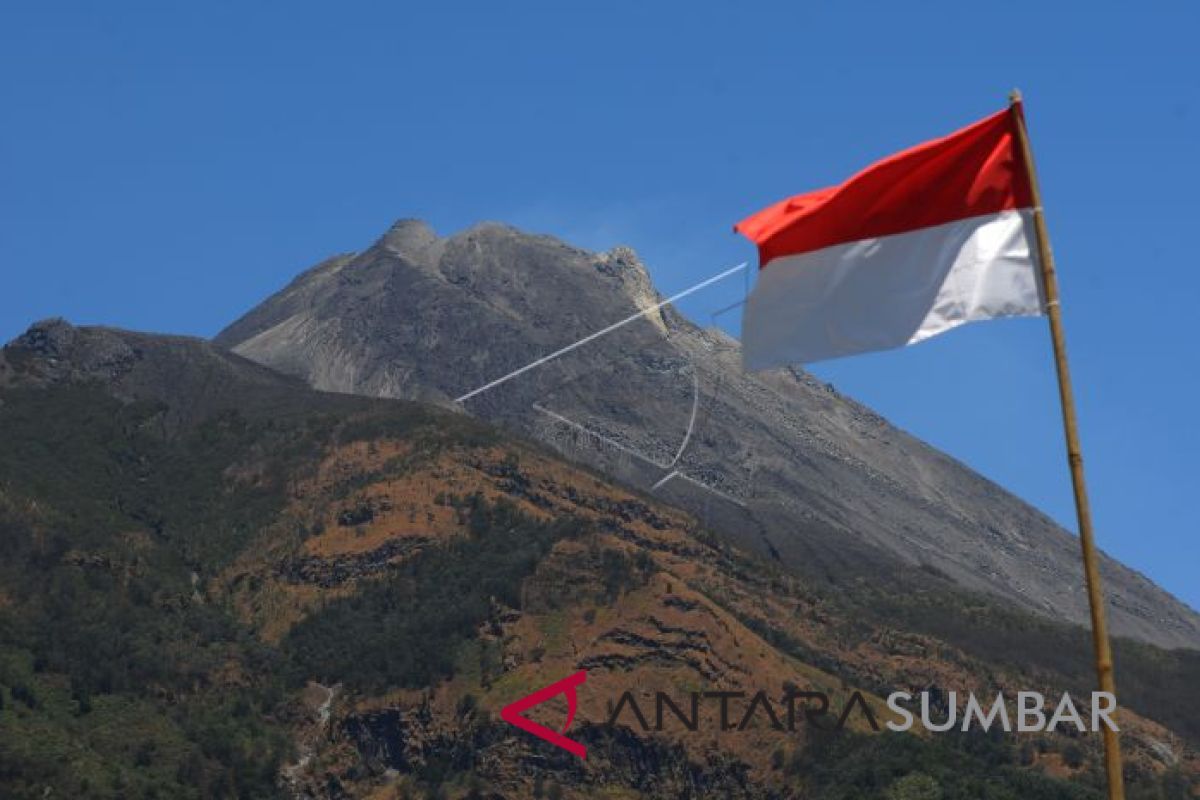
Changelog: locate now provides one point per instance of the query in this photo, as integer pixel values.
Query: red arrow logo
(512, 713)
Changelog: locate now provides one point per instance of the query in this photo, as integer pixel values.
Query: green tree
(915, 786)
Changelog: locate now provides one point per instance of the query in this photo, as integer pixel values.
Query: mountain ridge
(799, 472)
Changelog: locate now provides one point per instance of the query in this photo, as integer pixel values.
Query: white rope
(592, 337)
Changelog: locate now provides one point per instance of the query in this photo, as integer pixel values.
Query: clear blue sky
(164, 166)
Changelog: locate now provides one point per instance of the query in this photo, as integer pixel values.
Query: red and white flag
(912, 246)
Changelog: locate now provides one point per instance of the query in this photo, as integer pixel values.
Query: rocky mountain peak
(192, 376)
(53, 349)
(775, 461)
(620, 261)
(409, 236)
(50, 337)
(623, 263)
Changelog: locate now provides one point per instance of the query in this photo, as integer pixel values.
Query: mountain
(216, 581)
(778, 463)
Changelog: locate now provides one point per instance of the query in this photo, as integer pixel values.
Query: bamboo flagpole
(1091, 568)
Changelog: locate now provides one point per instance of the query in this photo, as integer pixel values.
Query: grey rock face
(777, 461)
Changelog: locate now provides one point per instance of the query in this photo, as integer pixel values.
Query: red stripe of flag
(975, 171)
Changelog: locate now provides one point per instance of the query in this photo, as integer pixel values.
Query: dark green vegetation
(831, 766)
(117, 678)
(107, 658)
(405, 630)
(954, 766)
(120, 678)
(972, 766)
